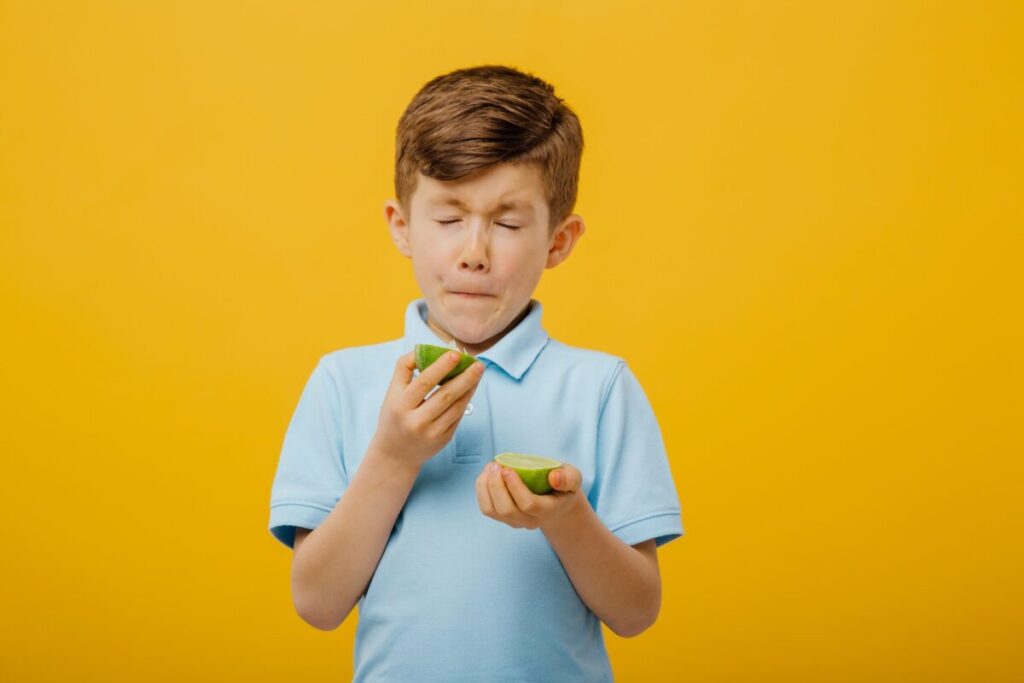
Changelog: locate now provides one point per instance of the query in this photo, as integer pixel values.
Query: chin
(471, 338)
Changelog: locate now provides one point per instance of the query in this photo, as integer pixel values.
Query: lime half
(532, 469)
(426, 354)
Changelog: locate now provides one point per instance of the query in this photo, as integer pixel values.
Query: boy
(385, 487)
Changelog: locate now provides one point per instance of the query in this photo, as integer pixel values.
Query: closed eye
(504, 225)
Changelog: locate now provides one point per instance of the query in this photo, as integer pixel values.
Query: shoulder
(599, 368)
(354, 365)
(579, 357)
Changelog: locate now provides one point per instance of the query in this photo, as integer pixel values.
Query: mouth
(470, 295)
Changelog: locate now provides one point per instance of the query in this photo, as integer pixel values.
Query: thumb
(565, 478)
(403, 372)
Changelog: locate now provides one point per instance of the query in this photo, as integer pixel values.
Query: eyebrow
(455, 201)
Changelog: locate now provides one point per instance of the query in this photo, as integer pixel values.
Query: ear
(398, 226)
(564, 239)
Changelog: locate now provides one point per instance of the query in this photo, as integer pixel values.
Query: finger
(448, 433)
(565, 478)
(421, 385)
(504, 506)
(435, 403)
(403, 373)
(483, 498)
(457, 410)
(524, 498)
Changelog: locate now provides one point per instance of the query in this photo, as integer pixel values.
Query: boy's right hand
(413, 428)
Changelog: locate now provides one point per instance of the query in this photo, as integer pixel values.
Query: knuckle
(416, 425)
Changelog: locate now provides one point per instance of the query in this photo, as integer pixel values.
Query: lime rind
(532, 469)
(427, 354)
(527, 462)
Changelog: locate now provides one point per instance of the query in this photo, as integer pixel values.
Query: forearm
(335, 563)
(612, 578)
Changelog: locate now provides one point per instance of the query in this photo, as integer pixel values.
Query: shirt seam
(334, 379)
(607, 392)
(642, 518)
(619, 365)
(301, 503)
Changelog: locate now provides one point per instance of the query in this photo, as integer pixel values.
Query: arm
(335, 562)
(621, 584)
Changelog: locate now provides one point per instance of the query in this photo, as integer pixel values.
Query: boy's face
(478, 262)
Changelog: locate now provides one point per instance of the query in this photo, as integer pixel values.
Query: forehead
(503, 205)
(500, 188)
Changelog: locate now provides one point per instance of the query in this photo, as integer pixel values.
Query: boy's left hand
(503, 496)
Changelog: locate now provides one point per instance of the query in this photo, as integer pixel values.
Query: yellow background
(804, 235)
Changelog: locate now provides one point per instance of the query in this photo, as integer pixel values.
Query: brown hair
(472, 118)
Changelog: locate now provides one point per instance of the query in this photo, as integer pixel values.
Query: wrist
(393, 465)
(569, 519)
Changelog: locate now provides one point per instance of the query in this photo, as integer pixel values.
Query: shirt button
(469, 409)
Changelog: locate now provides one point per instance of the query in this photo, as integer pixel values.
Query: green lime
(532, 469)
(426, 354)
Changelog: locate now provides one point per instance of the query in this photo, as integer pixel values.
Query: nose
(473, 256)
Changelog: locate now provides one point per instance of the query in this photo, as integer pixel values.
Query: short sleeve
(311, 475)
(633, 492)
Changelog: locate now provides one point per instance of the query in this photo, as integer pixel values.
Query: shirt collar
(514, 353)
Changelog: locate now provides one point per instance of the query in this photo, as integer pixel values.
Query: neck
(450, 340)
(474, 349)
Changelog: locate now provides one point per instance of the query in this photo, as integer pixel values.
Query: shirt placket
(474, 441)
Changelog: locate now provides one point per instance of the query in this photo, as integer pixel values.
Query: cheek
(435, 251)
(512, 249)
(520, 259)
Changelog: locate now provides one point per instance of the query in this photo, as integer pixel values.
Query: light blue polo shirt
(458, 596)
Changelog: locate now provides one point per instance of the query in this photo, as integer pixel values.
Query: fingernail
(493, 467)
(556, 478)
(507, 474)
(453, 355)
